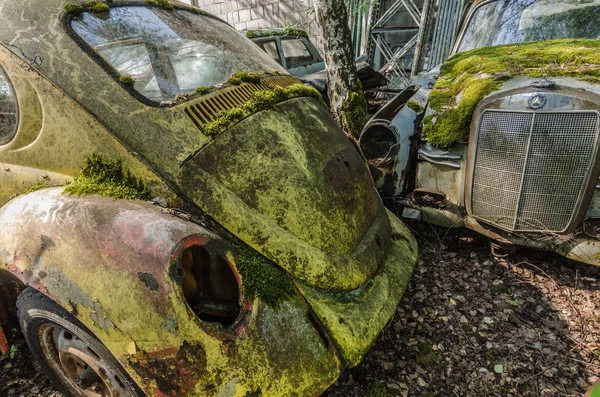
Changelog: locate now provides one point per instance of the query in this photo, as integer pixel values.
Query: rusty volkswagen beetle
(178, 215)
(503, 137)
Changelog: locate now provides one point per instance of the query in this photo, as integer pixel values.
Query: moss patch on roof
(261, 100)
(291, 30)
(466, 78)
(109, 179)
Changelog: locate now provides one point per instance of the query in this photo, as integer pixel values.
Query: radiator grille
(531, 168)
(205, 109)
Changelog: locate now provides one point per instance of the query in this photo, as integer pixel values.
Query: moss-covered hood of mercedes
(466, 78)
(283, 178)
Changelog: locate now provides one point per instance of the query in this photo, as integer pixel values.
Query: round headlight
(379, 141)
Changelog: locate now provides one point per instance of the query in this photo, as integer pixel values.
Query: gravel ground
(468, 325)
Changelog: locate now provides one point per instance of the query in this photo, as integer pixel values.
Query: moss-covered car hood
(466, 78)
(290, 184)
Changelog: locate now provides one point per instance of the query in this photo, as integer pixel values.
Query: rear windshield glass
(168, 53)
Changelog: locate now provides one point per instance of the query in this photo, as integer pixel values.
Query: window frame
(17, 113)
(108, 68)
(308, 44)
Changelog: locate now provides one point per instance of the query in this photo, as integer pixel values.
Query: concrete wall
(259, 14)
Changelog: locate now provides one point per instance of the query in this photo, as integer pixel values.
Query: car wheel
(76, 362)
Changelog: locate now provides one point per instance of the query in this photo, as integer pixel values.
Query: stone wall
(259, 14)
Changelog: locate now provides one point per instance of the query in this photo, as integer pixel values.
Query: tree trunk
(348, 105)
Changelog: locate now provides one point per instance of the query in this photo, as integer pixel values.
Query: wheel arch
(107, 262)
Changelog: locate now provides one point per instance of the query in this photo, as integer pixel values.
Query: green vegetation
(376, 389)
(239, 77)
(261, 100)
(164, 4)
(294, 30)
(470, 77)
(36, 187)
(74, 9)
(126, 80)
(425, 354)
(201, 90)
(500, 289)
(289, 30)
(354, 113)
(263, 279)
(491, 357)
(415, 106)
(97, 7)
(107, 178)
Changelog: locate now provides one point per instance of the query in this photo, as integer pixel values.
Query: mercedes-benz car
(503, 137)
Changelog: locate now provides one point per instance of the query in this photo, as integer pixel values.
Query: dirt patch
(468, 325)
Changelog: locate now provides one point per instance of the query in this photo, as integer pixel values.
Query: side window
(270, 47)
(8, 110)
(296, 53)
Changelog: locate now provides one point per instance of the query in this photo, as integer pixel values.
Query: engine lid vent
(206, 108)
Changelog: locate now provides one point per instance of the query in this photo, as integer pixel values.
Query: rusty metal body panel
(281, 176)
(95, 256)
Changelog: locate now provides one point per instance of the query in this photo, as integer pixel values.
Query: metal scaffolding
(432, 31)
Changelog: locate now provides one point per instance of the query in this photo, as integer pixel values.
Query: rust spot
(149, 280)
(176, 371)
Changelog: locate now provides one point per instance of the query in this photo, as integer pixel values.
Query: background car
(503, 137)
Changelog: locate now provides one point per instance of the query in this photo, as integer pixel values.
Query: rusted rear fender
(105, 261)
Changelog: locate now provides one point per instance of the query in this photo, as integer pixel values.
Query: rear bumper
(355, 319)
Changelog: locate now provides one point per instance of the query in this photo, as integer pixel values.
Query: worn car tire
(71, 356)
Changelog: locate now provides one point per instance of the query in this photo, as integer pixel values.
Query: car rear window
(169, 53)
(296, 53)
(8, 110)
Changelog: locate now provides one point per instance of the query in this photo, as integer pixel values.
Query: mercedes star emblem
(537, 101)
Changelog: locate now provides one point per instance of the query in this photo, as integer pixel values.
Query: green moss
(294, 30)
(164, 4)
(201, 90)
(289, 30)
(500, 289)
(36, 187)
(469, 76)
(107, 178)
(261, 100)
(425, 354)
(97, 7)
(239, 77)
(490, 357)
(415, 106)
(223, 121)
(354, 113)
(74, 9)
(377, 389)
(126, 80)
(262, 279)
(234, 80)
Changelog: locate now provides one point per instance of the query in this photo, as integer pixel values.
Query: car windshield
(169, 53)
(518, 21)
